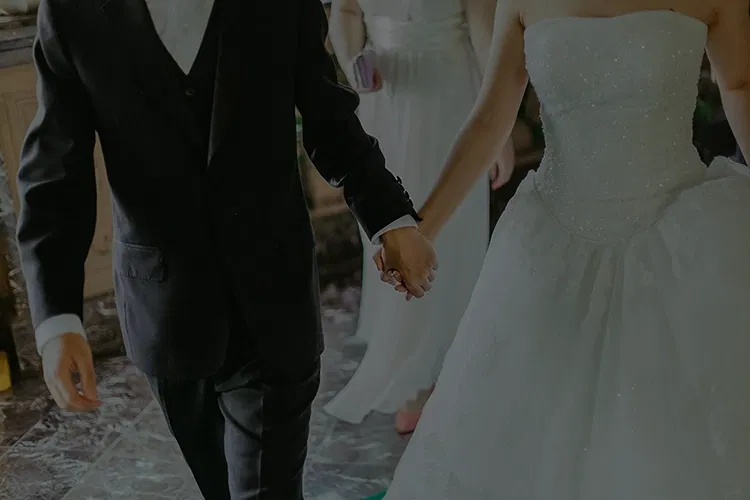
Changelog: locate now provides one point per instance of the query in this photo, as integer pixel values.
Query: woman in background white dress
(605, 352)
(428, 59)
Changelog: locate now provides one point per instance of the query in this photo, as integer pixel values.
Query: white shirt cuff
(57, 326)
(405, 221)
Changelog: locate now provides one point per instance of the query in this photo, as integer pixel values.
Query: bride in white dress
(605, 353)
(428, 54)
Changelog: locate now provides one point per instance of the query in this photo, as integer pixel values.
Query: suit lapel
(155, 72)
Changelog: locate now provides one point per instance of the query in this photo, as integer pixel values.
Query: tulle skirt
(585, 370)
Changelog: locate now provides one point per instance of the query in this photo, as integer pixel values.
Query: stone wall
(18, 7)
(11, 294)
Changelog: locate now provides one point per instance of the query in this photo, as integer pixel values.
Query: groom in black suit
(194, 105)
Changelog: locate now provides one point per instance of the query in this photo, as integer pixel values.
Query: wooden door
(17, 108)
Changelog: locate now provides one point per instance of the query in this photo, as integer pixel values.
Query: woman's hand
(377, 83)
(502, 170)
(363, 74)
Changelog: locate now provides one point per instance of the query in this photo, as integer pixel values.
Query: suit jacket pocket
(138, 262)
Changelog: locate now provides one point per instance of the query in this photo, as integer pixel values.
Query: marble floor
(124, 451)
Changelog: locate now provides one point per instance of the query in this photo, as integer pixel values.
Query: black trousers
(244, 431)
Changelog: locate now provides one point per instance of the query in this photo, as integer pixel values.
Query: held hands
(407, 261)
(61, 358)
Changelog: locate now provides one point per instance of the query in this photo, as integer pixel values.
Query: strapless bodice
(388, 34)
(415, 26)
(617, 97)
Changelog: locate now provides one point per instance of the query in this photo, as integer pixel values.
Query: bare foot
(408, 417)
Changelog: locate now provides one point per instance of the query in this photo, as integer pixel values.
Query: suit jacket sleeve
(333, 136)
(56, 180)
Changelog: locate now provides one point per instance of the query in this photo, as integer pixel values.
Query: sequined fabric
(605, 351)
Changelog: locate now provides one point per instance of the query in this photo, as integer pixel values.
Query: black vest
(199, 84)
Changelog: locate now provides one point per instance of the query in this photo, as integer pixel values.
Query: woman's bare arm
(728, 48)
(480, 17)
(347, 32)
(491, 121)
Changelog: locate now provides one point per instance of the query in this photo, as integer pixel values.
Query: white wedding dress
(431, 84)
(605, 354)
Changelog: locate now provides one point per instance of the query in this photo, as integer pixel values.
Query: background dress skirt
(430, 86)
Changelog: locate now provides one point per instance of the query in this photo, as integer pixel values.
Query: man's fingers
(393, 278)
(415, 289)
(378, 259)
(68, 394)
(422, 282)
(63, 358)
(88, 380)
(55, 393)
(419, 285)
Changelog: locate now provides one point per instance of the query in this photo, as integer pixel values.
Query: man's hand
(410, 256)
(62, 357)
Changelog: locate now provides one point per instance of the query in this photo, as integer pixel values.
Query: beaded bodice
(618, 97)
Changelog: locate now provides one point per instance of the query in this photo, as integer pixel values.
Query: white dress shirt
(181, 25)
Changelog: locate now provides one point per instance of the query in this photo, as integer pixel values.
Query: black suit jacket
(196, 232)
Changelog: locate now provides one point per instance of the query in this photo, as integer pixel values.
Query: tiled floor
(124, 451)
